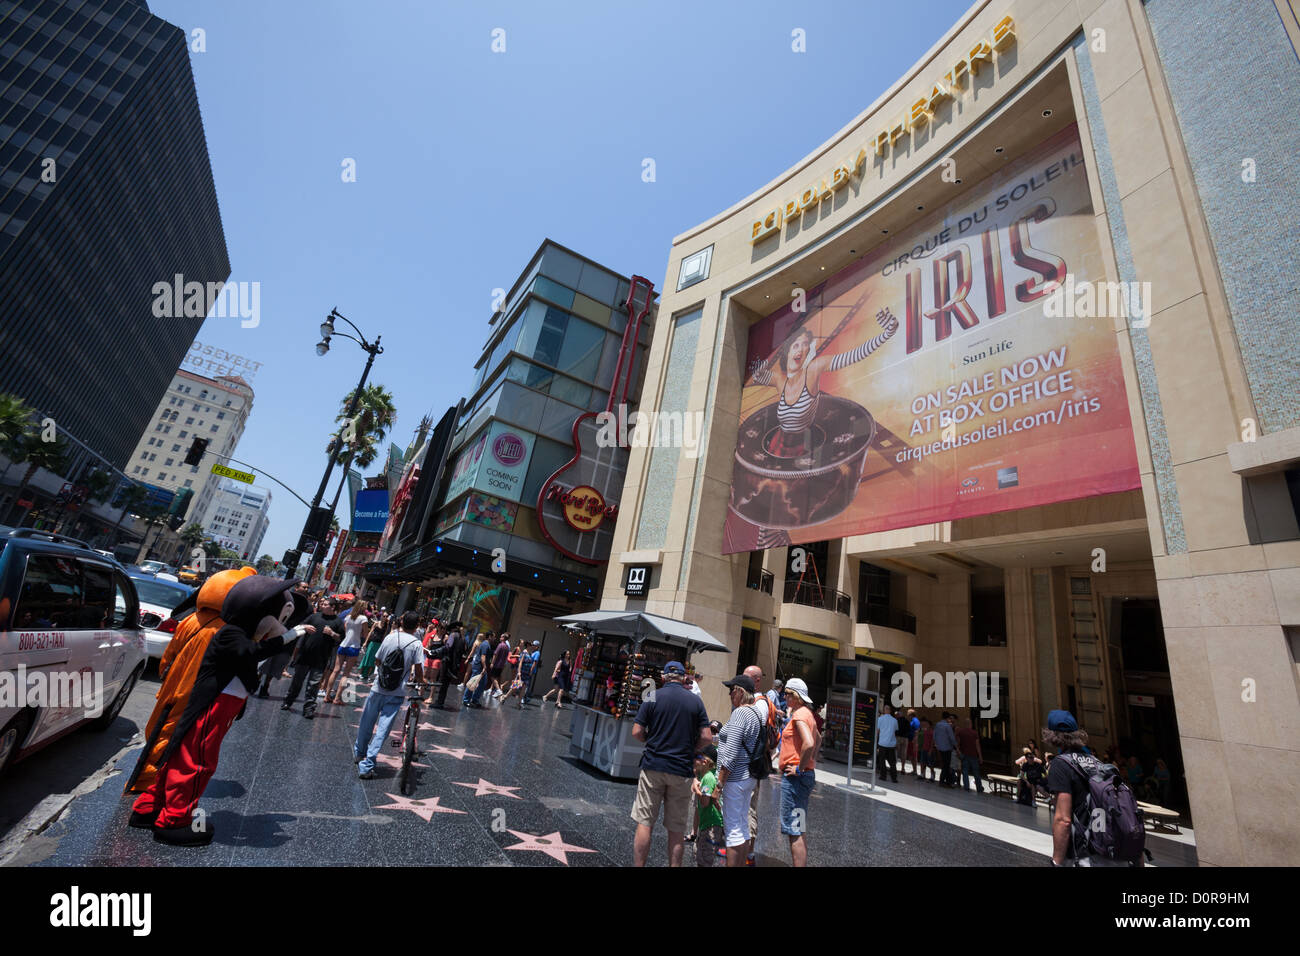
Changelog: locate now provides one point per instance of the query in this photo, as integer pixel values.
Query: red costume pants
(182, 780)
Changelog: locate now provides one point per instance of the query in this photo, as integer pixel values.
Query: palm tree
(191, 537)
(153, 514)
(265, 564)
(375, 415)
(99, 484)
(15, 421)
(50, 455)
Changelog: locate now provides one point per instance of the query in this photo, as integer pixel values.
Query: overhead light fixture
(1047, 112)
(920, 208)
(997, 149)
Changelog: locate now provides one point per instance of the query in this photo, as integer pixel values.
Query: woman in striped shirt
(738, 746)
(798, 374)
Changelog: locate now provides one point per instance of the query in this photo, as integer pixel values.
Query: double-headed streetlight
(327, 332)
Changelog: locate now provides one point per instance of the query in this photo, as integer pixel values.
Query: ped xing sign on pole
(245, 476)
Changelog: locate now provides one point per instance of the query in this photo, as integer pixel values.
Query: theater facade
(1002, 381)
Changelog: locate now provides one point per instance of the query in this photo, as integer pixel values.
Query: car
(189, 575)
(155, 567)
(71, 646)
(158, 598)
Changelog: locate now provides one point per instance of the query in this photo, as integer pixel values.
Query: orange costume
(178, 668)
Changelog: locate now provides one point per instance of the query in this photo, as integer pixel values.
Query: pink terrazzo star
(460, 753)
(428, 726)
(425, 809)
(395, 762)
(552, 845)
(485, 789)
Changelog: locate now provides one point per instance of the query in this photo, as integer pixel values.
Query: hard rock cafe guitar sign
(577, 506)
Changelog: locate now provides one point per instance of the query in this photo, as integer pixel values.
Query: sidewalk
(499, 789)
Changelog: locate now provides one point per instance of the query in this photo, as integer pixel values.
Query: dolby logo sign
(508, 449)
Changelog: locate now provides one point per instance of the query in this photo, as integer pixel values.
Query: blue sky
(467, 159)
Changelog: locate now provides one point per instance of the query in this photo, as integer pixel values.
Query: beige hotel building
(1003, 378)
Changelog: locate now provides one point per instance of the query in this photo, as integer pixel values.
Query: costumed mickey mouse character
(257, 610)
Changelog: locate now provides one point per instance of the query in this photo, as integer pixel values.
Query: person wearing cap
(797, 760)
(527, 671)
(740, 745)
(1068, 784)
(710, 840)
(673, 728)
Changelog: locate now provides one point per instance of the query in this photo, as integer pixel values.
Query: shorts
(795, 791)
(495, 673)
(349, 652)
(735, 810)
(710, 847)
(654, 789)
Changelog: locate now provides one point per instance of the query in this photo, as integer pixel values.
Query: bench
(1161, 819)
(1001, 783)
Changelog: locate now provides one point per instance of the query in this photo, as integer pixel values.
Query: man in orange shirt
(797, 760)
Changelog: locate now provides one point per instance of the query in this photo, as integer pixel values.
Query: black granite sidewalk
(497, 788)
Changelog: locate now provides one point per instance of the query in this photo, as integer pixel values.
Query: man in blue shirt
(478, 668)
(527, 669)
(886, 741)
(674, 728)
(945, 741)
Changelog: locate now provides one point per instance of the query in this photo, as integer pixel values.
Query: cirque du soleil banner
(942, 376)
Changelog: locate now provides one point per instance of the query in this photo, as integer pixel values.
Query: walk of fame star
(428, 726)
(460, 753)
(389, 760)
(425, 809)
(552, 845)
(485, 789)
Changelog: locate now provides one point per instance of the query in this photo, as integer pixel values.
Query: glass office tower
(105, 190)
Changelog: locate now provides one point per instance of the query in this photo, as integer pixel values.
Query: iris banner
(968, 366)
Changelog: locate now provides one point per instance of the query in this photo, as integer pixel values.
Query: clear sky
(466, 159)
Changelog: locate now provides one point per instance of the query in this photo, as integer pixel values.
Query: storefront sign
(1141, 700)
(941, 384)
(244, 476)
(919, 113)
(371, 514)
(638, 580)
(496, 463)
(583, 507)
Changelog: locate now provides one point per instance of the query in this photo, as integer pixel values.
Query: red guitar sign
(578, 504)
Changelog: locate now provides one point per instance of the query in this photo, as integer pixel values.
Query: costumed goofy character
(259, 614)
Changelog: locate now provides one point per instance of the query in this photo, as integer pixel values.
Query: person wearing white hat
(797, 760)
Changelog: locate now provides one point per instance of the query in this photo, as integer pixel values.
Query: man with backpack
(771, 740)
(400, 655)
(1097, 821)
(528, 661)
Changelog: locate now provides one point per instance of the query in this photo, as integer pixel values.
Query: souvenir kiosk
(621, 664)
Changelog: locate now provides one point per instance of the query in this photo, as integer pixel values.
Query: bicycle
(410, 728)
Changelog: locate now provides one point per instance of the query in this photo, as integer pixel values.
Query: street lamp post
(372, 349)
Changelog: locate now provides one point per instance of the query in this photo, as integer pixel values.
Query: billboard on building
(496, 463)
(371, 512)
(966, 367)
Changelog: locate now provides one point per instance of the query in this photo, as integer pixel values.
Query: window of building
(213, 429)
(988, 609)
(189, 483)
(183, 434)
(153, 456)
(162, 476)
(144, 454)
(176, 447)
(190, 420)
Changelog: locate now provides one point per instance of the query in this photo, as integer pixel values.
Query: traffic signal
(318, 524)
(181, 502)
(290, 561)
(197, 448)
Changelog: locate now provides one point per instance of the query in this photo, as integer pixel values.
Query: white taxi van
(71, 648)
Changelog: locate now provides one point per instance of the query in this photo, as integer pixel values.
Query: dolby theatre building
(1003, 379)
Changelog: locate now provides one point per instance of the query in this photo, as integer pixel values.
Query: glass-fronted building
(105, 191)
(551, 356)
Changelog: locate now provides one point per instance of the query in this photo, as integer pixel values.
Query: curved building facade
(1001, 381)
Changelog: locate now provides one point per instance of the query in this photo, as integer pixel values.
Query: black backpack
(1108, 827)
(392, 667)
(760, 766)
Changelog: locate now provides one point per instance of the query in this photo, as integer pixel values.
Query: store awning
(639, 624)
